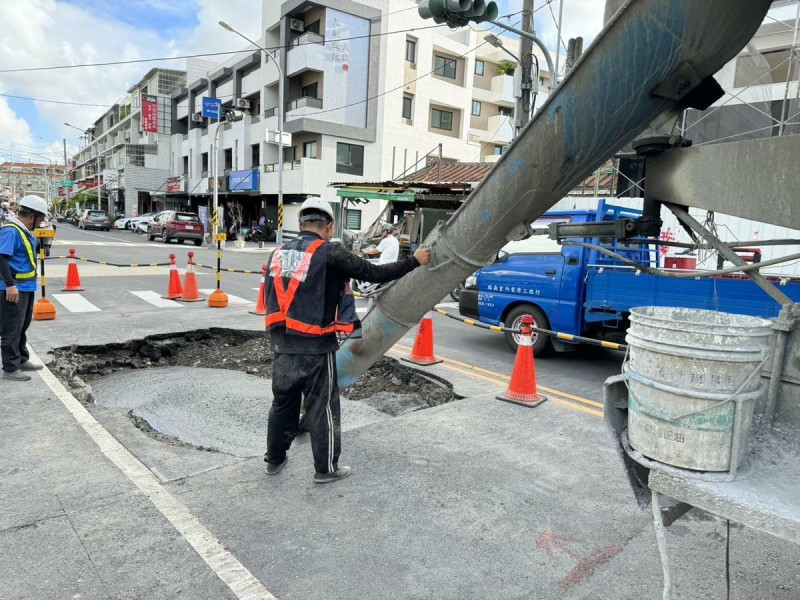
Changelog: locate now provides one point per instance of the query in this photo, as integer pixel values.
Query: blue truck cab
(580, 291)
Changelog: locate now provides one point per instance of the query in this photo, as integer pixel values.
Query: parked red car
(170, 225)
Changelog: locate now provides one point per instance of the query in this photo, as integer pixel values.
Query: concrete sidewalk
(473, 499)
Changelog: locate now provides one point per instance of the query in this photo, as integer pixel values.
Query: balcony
(302, 107)
(501, 129)
(305, 55)
(303, 176)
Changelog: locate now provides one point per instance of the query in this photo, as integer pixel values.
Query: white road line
(362, 310)
(155, 299)
(224, 564)
(231, 298)
(447, 305)
(75, 303)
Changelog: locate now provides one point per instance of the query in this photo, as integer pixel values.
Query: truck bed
(612, 290)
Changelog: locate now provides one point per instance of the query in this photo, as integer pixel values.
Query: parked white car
(123, 223)
(137, 222)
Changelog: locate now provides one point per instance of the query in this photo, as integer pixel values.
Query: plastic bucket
(685, 366)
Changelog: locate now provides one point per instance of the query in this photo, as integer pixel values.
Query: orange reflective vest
(295, 292)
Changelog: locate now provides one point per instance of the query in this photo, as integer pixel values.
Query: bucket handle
(663, 417)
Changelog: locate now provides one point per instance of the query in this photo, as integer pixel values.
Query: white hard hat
(5, 205)
(318, 204)
(36, 203)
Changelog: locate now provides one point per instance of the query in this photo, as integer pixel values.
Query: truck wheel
(514, 320)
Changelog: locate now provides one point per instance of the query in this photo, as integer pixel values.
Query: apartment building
(365, 99)
(18, 179)
(133, 142)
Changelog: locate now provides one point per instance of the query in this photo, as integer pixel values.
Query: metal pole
(97, 149)
(792, 58)
(558, 41)
(439, 165)
(215, 213)
(526, 64)
(281, 107)
(536, 41)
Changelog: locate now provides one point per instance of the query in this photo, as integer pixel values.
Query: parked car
(123, 223)
(139, 224)
(95, 219)
(171, 225)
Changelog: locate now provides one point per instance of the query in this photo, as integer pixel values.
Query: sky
(44, 33)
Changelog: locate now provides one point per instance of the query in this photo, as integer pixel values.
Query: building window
(444, 67)
(767, 67)
(255, 153)
(476, 108)
(190, 162)
(505, 111)
(310, 90)
(479, 67)
(498, 150)
(310, 150)
(313, 27)
(185, 165)
(236, 155)
(290, 154)
(352, 219)
(204, 160)
(228, 160)
(442, 119)
(349, 159)
(541, 81)
(411, 51)
(407, 106)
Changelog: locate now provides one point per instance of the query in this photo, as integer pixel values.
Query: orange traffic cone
(44, 310)
(190, 291)
(261, 305)
(522, 387)
(174, 291)
(73, 279)
(422, 353)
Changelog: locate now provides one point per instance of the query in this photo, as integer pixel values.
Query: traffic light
(458, 13)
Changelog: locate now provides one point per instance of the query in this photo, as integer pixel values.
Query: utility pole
(554, 76)
(66, 173)
(526, 56)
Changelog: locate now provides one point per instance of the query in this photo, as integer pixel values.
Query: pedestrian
(306, 281)
(389, 247)
(18, 286)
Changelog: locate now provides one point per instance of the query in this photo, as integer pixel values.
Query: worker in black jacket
(306, 280)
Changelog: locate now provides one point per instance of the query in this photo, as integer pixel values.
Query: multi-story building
(370, 92)
(19, 179)
(133, 141)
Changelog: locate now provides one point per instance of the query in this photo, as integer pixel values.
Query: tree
(506, 68)
(236, 213)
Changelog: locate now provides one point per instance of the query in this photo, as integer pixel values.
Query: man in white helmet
(18, 286)
(307, 280)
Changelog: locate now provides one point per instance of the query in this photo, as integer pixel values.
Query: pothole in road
(210, 388)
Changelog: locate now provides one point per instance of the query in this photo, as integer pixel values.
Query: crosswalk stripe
(156, 300)
(75, 303)
(361, 310)
(231, 298)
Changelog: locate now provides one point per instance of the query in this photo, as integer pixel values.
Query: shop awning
(407, 195)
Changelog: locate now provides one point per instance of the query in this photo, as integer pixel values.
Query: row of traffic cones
(522, 387)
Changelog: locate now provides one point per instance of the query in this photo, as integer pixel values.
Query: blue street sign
(212, 108)
(239, 181)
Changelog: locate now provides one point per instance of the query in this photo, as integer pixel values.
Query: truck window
(536, 244)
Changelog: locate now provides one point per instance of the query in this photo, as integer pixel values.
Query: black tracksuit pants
(313, 377)
(14, 322)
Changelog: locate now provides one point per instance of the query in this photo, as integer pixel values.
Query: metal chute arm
(588, 118)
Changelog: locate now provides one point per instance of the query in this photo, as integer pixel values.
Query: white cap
(316, 203)
(33, 202)
(5, 205)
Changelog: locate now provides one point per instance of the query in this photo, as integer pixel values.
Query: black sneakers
(274, 469)
(338, 474)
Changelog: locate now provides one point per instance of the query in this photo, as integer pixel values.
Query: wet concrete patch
(210, 389)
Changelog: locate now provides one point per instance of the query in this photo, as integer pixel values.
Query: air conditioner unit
(297, 25)
(150, 138)
(198, 118)
(242, 103)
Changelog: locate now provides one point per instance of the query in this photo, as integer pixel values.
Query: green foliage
(506, 68)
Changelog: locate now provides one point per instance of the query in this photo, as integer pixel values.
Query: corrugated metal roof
(450, 173)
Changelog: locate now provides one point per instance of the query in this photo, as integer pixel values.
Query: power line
(185, 56)
(55, 101)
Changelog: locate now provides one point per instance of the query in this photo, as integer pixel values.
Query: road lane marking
(155, 299)
(75, 303)
(225, 565)
(231, 298)
(504, 379)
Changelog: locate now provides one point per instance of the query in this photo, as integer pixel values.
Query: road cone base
(422, 361)
(529, 400)
(72, 288)
(187, 299)
(44, 310)
(169, 297)
(218, 299)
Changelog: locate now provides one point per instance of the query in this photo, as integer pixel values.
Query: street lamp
(498, 43)
(279, 235)
(97, 143)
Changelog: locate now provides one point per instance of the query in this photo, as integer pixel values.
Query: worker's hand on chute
(423, 255)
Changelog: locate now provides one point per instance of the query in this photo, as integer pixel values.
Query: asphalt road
(580, 373)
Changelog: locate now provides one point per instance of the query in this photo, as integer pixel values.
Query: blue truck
(580, 291)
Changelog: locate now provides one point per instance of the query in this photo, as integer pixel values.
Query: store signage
(149, 114)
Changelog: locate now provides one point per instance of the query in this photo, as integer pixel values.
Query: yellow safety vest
(32, 273)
